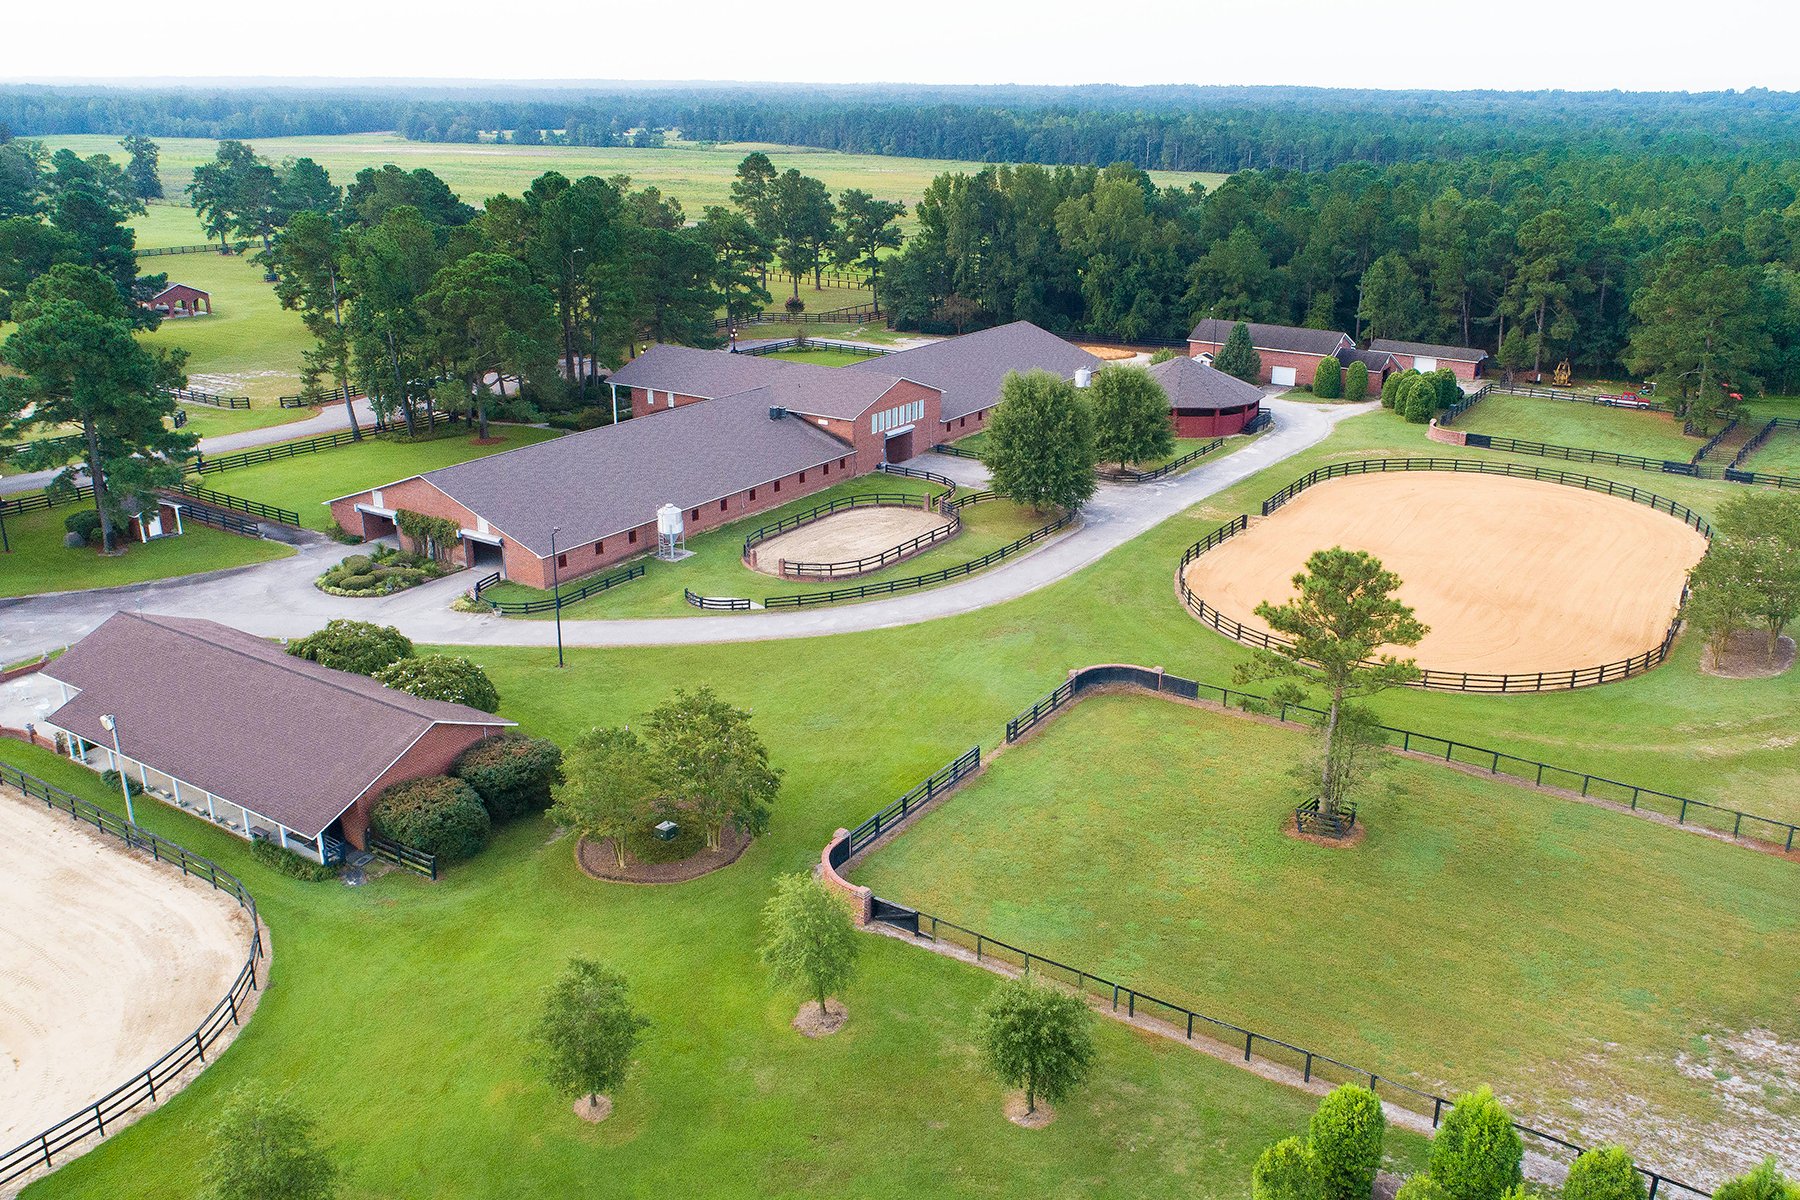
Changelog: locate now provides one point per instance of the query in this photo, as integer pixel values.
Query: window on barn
(694, 516)
(599, 547)
(778, 485)
(827, 468)
(721, 504)
(562, 560)
(752, 495)
(631, 537)
(803, 477)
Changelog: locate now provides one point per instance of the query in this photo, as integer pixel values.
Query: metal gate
(895, 915)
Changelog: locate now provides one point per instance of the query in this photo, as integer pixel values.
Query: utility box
(666, 831)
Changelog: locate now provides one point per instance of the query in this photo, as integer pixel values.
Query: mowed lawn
(305, 482)
(428, 1091)
(695, 174)
(1590, 426)
(717, 568)
(39, 561)
(1779, 455)
(820, 358)
(1480, 933)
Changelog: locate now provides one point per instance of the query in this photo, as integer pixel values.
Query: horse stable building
(1289, 353)
(717, 435)
(233, 729)
(1205, 402)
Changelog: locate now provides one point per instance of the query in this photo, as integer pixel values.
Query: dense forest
(1157, 128)
(1686, 270)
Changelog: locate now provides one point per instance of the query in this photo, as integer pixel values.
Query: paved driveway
(277, 599)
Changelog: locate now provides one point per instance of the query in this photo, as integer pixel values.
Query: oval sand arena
(1512, 575)
(847, 536)
(107, 960)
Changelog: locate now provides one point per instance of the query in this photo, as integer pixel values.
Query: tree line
(1685, 271)
(1168, 128)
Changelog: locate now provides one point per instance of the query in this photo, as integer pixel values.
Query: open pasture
(695, 174)
(1589, 426)
(1511, 575)
(1480, 932)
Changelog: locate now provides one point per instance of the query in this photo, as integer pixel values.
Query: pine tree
(1238, 357)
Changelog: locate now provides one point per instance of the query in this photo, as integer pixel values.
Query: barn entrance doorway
(899, 445)
(483, 556)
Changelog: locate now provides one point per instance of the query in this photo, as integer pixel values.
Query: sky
(1645, 45)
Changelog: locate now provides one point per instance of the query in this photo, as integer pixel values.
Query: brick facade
(433, 754)
(1462, 370)
(1305, 365)
(645, 401)
(1221, 423)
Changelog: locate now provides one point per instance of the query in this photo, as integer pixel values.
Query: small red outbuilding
(1204, 401)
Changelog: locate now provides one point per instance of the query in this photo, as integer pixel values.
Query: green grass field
(1780, 455)
(697, 175)
(423, 1090)
(39, 562)
(819, 358)
(1475, 934)
(717, 567)
(1590, 426)
(303, 483)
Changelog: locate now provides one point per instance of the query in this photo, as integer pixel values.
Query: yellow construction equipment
(1562, 377)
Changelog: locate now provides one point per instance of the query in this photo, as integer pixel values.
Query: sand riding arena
(856, 541)
(1527, 584)
(112, 962)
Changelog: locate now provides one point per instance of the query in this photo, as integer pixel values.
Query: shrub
(85, 522)
(355, 646)
(1328, 379)
(1604, 1173)
(111, 779)
(1418, 399)
(1164, 355)
(1356, 380)
(1238, 355)
(1477, 1155)
(437, 814)
(269, 854)
(1420, 1187)
(445, 677)
(1764, 1183)
(1448, 390)
(1286, 1170)
(512, 773)
(795, 305)
(1390, 389)
(1345, 1137)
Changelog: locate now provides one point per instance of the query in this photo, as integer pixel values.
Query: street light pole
(111, 724)
(556, 591)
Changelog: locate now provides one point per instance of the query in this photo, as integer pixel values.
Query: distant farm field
(696, 175)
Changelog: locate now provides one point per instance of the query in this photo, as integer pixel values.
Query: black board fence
(1127, 475)
(1134, 1003)
(255, 508)
(794, 343)
(405, 857)
(763, 533)
(198, 248)
(157, 1080)
(954, 451)
(1694, 470)
(1767, 831)
(569, 594)
(209, 399)
(716, 603)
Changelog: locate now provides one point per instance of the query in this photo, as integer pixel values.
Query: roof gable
(969, 370)
(242, 718)
(1428, 350)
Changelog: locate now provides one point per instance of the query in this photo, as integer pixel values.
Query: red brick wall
(1212, 424)
(1304, 364)
(432, 754)
(961, 427)
(1462, 370)
(415, 495)
(641, 401)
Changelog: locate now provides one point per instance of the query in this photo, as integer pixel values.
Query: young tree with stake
(1344, 613)
(808, 940)
(586, 1032)
(1036, 1038)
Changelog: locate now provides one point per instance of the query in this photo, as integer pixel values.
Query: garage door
(1425, 364)
(1282, 375)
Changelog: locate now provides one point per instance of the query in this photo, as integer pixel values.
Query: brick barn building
(234, 729)
(1380, 363)
(1204, 402)
(1465, 361)
(1289, 353)
(180, 300)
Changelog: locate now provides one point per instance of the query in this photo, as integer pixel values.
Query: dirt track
(847, 536)
(1512, 575)
(106, 961)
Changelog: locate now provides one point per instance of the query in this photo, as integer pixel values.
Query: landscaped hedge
(512, 773)
(437, 814)
(288, 863)
(381, 573)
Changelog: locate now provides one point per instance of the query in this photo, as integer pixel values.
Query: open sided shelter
(1204, 401)
(235, 729)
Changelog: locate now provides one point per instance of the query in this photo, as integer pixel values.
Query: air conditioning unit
(776, 412)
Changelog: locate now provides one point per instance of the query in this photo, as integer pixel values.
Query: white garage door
(1282, 375)
(1425, 364)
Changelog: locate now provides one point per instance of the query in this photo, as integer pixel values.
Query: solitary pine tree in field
(1131, 416)
(1238, 356)
(1036, 1038)
(808, 940)
(1344, 613)
(587, 1031)
(262, 1147)
(1040, 442)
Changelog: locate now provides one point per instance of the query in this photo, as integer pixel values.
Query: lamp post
(111, 724)
(556, 591)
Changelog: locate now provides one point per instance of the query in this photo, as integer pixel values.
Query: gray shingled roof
(968, 370)
(800, 387)
(1454, 353)
(1375, 360)
(242, 718)
(607, 480)
(1191, 384)
(1290, 338)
